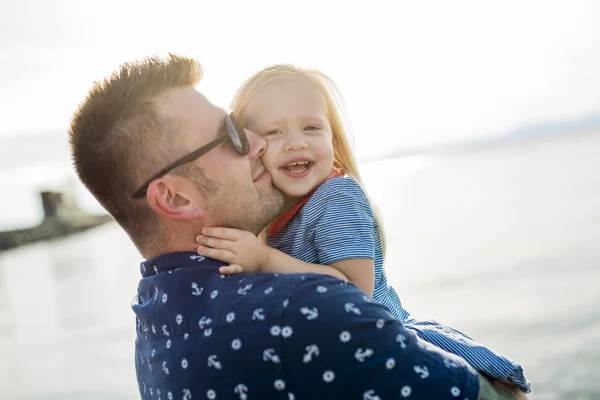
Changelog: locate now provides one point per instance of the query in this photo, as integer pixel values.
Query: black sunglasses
(235, 133)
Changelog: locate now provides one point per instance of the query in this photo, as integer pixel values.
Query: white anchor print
(268, 290)
(361, 355)
(155, 269)
(170, 396)
(321, 289)
(351, 308)
(185, 336)
(270, 355)
(311, 350)
(158, 393)
(164, 367)
(207, 332)
(258, 314)
(197, 258)
(422, 371)
(153, 329)
(242, 391)
(390, 363)
(214, 362)
(168, 344)
(204, 321)
(291, 396)
(165, 331)
(286, 302)
(196, 290)
(450, 363)
(310, 313)
(370, 395)
(380, 323)
(153, 353)
(187, 395)
(244, 290)
(402, 340)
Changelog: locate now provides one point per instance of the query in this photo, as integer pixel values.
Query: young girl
(329, 225)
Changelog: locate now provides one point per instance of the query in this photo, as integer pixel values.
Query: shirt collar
(277, 225)
(172, 261)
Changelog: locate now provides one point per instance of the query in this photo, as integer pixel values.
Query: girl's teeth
(296, 168)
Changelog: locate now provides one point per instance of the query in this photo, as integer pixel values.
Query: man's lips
(263, 173)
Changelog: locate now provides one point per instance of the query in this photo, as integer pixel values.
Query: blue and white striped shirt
(337, 223)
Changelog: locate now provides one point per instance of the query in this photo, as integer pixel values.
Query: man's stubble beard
(239, 210)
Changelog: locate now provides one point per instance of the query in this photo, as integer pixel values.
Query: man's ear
(170, 197)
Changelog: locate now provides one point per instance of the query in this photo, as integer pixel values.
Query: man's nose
(257, 144)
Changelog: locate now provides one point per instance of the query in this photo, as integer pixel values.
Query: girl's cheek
(268, 159)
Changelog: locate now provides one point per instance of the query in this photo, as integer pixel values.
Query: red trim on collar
(277, 225)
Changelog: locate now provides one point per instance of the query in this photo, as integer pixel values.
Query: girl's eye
(312, 128)
(274, 132)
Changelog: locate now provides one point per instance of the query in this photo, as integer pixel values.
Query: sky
(412, 73)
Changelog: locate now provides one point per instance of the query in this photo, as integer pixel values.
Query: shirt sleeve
(345, 346)
(479, 356)
(345, 226)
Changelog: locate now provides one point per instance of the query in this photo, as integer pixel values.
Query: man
(165, 162)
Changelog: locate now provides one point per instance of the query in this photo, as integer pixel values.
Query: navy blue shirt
(202, 335)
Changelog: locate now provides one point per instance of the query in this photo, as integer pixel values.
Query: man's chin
(272, 203)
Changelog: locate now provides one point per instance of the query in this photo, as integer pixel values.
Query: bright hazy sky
(412, 73)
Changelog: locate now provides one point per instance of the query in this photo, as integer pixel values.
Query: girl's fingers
(217, 254)
(231, 269)
(213, 242)
(222, 233)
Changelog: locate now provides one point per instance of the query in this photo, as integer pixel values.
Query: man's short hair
(118, 140)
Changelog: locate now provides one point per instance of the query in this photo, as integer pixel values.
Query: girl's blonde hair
(343, 156)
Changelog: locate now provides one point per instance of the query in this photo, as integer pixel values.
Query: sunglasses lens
(238, 135)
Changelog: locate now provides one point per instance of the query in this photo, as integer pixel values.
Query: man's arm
(344, 346)
(498, 391)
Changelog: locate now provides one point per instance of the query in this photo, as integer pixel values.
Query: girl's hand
(240, 248)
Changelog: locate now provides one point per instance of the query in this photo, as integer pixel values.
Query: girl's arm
(248, 254)
(359, 271)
